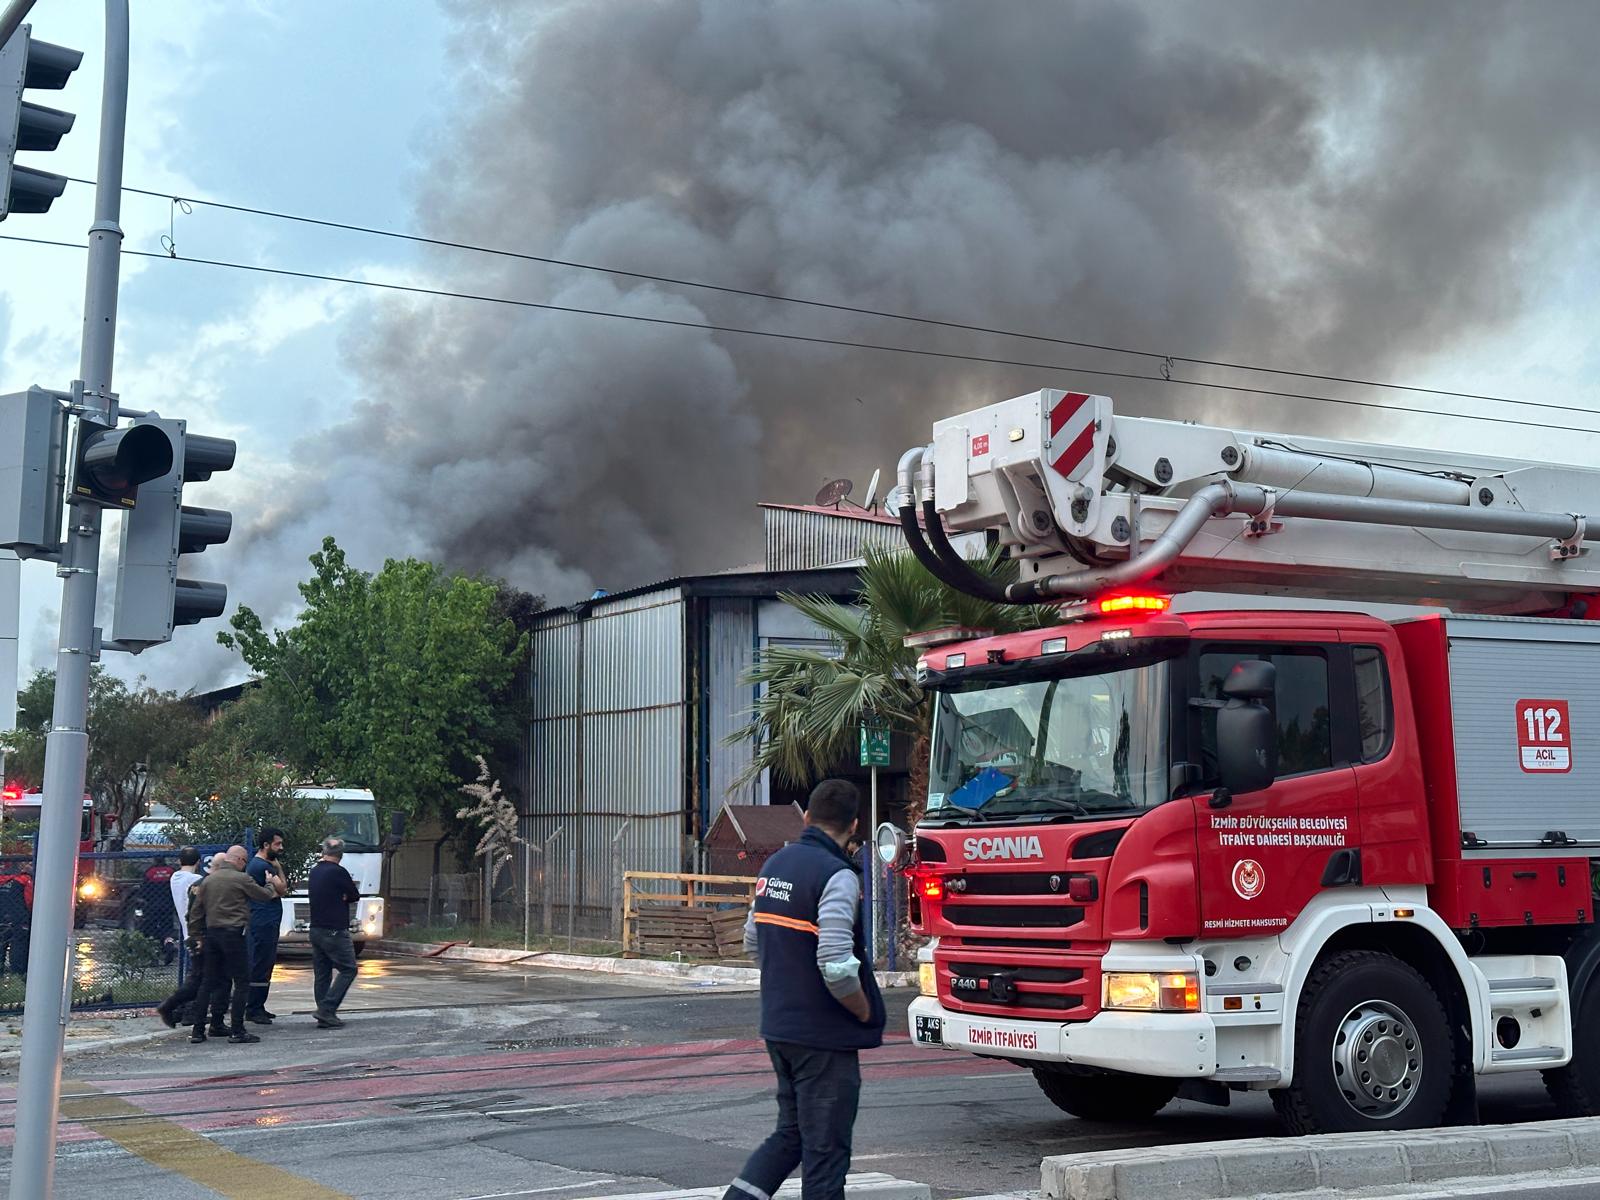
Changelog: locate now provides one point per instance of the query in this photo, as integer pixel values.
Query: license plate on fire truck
(930, 1030)
(1019, 1039)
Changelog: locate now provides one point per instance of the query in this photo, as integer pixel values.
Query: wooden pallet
(695, 933)
(698, 916)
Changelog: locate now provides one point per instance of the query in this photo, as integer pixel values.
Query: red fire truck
(1348, 861)
(19, 807)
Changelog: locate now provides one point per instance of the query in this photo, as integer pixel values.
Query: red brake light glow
(1124, 604)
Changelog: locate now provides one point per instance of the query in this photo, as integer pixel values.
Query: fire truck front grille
(1003, 943)
(1010, 885)
(1001, 986)
(1019, 974)
(1013, 916)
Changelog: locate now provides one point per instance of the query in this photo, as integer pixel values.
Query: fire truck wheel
(1576, 1087)
(1372, 1049)
(1092, 1097)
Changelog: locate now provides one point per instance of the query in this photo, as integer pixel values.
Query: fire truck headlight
(1145, 991)
(89, 889)
(927, 981)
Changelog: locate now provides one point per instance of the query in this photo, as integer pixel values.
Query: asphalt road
(466, 1083)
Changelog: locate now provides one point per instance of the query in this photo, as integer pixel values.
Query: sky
(1376, 196)
(246, 102)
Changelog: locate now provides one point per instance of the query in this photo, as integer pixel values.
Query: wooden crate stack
(697, 916)
(695, 933)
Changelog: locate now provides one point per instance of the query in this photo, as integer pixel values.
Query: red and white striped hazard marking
(1072, 427)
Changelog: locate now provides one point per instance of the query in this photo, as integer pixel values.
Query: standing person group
(222, 902)
(820, 1004)
(223, 917)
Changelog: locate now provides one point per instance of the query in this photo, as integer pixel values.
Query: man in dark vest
(820, 1004)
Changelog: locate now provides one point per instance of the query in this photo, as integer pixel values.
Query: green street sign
(874, 746)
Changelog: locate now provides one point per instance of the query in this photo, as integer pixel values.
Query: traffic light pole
(47, 1002)
(15, 13)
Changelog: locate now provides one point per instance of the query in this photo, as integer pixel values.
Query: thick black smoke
(1352, 188)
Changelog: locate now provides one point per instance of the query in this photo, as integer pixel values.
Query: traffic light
(33, 436)
(25, 63)
(151, 599)
(111, 463)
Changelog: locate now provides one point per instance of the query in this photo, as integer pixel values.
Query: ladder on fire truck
(1088, 502)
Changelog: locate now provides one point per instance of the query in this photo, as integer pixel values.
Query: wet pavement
(465, 1082)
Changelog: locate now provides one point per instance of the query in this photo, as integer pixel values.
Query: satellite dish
(833, 492)
(872, 491)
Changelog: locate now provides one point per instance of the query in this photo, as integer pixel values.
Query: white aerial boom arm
(1086, 502)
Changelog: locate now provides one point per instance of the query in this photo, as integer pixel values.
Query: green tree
(136, 736)
(812, 702)
(395, 681)
(226, 785)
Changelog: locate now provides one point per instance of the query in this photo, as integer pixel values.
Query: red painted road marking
(287, 1097)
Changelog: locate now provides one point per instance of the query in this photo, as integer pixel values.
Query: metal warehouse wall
(606, 739)
(730, 652)
(801, 541)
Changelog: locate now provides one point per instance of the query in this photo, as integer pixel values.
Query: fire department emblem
(1248, 878)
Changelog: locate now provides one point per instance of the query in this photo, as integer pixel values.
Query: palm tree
(812, 702)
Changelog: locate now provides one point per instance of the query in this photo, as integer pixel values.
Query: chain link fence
(126, 941)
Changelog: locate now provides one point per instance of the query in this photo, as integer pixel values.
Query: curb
(858, 1187)
(11, 1058)
(455, 952)
(1329, 1162)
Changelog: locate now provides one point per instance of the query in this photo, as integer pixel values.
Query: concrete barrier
(857, 1187)
(1331, 1162)
(602, 964)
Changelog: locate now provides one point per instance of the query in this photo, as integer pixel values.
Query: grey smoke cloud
(1351, 187)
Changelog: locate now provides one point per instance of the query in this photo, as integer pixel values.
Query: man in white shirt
(191, 976)
(184, 878)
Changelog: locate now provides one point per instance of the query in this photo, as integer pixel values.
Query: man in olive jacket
(225, 896)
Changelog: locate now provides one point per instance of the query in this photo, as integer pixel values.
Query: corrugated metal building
(631, 698)
(803, 536)
(633, 694)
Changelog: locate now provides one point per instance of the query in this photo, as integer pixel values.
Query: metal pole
(872, 866)
(547, 889)
(618, 864)
(572, 889)
(47, 1001)
(16, 12)
(527, 899)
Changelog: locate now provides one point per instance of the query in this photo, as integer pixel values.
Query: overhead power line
(845, 343)
(757, 294)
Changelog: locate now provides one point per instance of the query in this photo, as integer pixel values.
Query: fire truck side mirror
(1251, 679)
(1247, 730)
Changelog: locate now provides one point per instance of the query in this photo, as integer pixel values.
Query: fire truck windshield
(1080, 746)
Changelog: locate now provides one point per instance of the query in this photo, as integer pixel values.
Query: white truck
(353, 816)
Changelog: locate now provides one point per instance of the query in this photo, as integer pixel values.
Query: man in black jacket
(820, 1004)
(331, 892)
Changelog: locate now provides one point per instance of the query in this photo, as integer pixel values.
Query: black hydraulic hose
(919, 546)
(958, 573)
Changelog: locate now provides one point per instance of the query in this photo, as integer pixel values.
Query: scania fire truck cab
(1347, 861)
